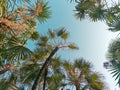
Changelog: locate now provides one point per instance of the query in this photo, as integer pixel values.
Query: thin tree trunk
(45, 78)
(43, 67)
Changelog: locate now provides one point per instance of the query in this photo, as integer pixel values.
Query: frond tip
(72, 46)
(44, 14)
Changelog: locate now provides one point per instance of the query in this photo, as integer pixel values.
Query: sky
(92, 38)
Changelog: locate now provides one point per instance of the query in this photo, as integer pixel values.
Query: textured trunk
(45, 77)
(43, 67)
(77, 87)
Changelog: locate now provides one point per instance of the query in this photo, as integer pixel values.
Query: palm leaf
(18, 53)
(51, 34)
(61, 31)
(45, 14)
(28, 76)
(115, 70)
(72, 46)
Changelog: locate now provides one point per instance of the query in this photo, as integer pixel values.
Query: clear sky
(92, 38)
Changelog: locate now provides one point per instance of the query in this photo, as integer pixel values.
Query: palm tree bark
(45, 77)
(81, 77)
(43, 67)
(77, 87)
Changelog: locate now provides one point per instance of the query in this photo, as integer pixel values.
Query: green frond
(56, 62)
(35, 36)
(114, 25)
(115, 71)
(73, 46)
(41, 53)
(95, 81)
(67, 65)
(27, 76)
(114, 50)
(51, 34)
(18, 53)
(13, 41)
(82, 63)
(45, 14)
(43, 41)
(61, 31)
(97, 14)
(44, 38)
(4, 85)
(31, 22)
(65, 35)
(73, 1)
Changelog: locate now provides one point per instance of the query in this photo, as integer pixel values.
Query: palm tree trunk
(43, 67)
(77, 87)
(45, 77)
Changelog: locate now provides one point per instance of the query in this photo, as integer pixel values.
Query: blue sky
(92, 38)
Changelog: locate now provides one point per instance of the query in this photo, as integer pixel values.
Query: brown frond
(17, 26)
(38, 9)
(7, 67)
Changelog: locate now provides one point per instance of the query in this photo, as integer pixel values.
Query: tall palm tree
(52, 42)
(38, 60)
(80, 74)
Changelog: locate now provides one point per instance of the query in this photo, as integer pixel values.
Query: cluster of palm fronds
(99, 10)
(18, 21)
(28, 63)
(18, 25)
(109, 13)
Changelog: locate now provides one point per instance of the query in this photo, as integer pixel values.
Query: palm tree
(52, 44)
(114, 58)
(18, 25)
(90, 8)
(80, 74)
(33, 64)
(18, 22)
(50, 77)
(99, 10)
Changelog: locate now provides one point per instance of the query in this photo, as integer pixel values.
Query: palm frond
(51, 34)
(45, 14)
(73, 47)
(13, 41)
(18, 53)
(114, 50)
(115, 71)
(35, 36)
(61, 31)
(27, 75)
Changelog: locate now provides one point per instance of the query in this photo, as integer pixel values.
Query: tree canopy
(26, 68)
